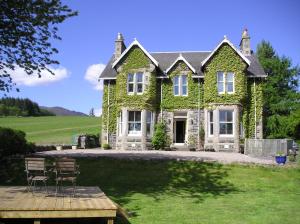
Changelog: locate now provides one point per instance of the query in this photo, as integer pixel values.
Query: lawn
(53, 129)
(193, 192)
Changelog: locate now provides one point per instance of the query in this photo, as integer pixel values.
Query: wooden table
(16, 202)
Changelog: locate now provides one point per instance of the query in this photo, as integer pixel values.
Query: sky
(88, 39)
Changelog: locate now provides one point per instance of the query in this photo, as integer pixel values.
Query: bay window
(149, 122)
(134, 122)
(226, 122)
(210, 123)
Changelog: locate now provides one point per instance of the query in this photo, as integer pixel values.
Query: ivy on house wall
(113, 113)
(134, 61)
(137, 61)
(255, 97)
(171, 102)
(226, 60)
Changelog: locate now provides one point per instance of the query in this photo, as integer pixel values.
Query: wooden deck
(17, 202)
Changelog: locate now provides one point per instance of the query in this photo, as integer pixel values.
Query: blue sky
(88, 39)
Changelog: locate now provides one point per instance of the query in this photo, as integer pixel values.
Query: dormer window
(225, 82)
(180, 85)
(135, 83)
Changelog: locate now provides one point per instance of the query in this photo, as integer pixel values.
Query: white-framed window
(134, 123)
(226, 122)
(225, 82)
(149, 123)
(135, 83)
(180, 85)
(210, 123)
(120, 124)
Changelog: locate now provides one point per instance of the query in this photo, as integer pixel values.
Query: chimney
(119, 46)
(245, 43)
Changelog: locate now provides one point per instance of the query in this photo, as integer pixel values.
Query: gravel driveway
(222, 157)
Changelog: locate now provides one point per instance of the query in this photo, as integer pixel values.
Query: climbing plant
(171, 102)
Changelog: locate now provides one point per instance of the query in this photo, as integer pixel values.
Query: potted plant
(280, 158)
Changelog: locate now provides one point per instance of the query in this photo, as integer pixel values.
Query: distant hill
(60, 111)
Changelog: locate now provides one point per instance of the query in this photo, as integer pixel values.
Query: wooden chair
(66, 170)
(35, 169)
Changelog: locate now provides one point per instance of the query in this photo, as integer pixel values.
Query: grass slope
(192, 192)
(53, 129)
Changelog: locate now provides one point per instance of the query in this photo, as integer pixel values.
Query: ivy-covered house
(217, 93)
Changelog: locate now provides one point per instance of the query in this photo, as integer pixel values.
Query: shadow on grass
(120, 179)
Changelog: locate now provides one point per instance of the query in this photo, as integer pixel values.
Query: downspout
(161, 89)
(108, 106)
(255, 109)
(199, 113)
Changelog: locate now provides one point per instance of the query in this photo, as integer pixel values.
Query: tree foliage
(281, 94)
(26, 30)
(10, 106)
(159, 139)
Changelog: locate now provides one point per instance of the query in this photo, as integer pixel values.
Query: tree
(281, 94)
(92, 113)
(26, 28)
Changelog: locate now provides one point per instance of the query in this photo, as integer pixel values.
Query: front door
(180, 132)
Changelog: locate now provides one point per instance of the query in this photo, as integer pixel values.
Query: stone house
(211, 99)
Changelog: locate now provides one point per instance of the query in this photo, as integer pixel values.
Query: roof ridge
(156, 52)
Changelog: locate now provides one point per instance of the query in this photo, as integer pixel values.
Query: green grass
(53, 129)
(193, 192)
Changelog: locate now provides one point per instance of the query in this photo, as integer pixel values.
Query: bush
(13, 142)
(159, 139)
(106, 146)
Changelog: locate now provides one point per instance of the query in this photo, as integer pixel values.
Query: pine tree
(281, 94)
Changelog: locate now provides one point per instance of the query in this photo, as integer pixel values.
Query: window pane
(137, 116)
(131, 116)
(176, 80)
(229, 87)
(220, 77)
(222, 128)
(148, 129)
(229, 77)
(184, 90)
(139, 77)
(139, 88)
(229, 116)
(211, 130)
(137, 126)
(176, 92)
(222, 115)
(130, 78)
(229, 129)
(130, 88)
(184, 80)
(211, 116)
(220, 87)
(130, 126)
(148, 117)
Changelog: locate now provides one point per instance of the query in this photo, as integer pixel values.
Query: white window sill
(223, 135)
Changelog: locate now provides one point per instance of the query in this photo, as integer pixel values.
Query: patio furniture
(66, 170)
(35, 169)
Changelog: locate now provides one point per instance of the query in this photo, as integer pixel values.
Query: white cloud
(98, 112)
(92, 75)
(20, 77)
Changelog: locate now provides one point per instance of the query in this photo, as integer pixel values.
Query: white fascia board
(181, 58)
(106, 78)
(135, 42)
(225, 40)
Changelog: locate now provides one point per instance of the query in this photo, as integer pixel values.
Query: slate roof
(165, 59)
